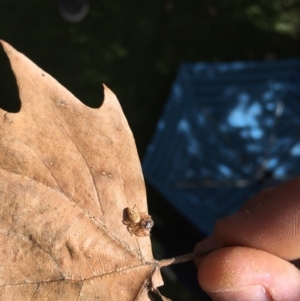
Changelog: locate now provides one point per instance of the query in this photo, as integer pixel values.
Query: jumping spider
(138, 223)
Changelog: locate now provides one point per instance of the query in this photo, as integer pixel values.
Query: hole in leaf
(90, 95)
(94, 101)
(9, 100)
(100, 96)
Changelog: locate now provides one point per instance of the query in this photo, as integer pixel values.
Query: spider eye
(148, 225)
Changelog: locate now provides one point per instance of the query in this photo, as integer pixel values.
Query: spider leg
(136, 229)
(126, 222)
(129, 230)
(142, 232)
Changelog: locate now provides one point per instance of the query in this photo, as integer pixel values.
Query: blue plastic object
(227, 131)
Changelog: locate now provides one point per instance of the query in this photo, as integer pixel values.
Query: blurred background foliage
(135, 48)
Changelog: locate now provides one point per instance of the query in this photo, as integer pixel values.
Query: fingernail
(257, 293)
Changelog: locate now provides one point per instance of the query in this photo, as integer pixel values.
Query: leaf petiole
(185, 257)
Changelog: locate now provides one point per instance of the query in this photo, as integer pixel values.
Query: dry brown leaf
(67, 171)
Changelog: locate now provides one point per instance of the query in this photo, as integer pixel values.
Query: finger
(209, 242)
(238, 273)
(259, 197)
(202, 248)
(271, 222)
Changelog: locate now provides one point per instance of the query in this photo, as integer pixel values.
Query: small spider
(138, 223)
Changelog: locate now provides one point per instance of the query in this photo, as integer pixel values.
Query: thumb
(240, 273)
(258, 243)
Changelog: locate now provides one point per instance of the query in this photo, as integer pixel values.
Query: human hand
(255, 249)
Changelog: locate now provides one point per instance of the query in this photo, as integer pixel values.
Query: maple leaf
(67, 172)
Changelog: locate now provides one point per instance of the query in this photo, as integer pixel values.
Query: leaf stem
(185, 257)
(177, 259)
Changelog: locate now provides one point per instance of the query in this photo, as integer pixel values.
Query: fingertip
(269, 221)
(235, 271)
